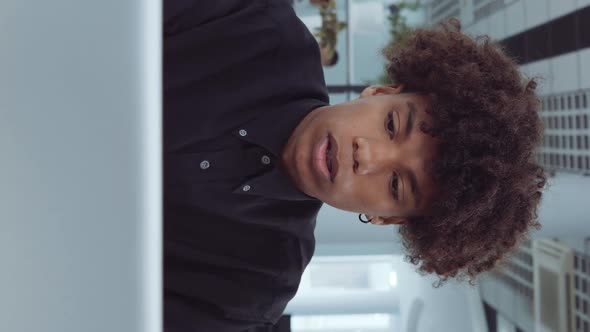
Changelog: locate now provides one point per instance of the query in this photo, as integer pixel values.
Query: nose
(369, 155)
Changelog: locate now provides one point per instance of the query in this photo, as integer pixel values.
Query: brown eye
(389, 125)
(394, 186)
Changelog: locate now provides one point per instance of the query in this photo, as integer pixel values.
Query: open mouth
(329, 156)
(325, 158)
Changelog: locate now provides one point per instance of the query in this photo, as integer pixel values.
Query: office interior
(69, 263)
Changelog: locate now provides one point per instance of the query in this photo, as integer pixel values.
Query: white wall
(454, 307)
(340, 227)
(565, 208)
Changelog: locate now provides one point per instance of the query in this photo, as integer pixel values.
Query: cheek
(356, 121)
(360, 195)
(350, 118)
(345, 197)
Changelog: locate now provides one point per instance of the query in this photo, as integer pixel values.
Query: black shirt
(238, 78)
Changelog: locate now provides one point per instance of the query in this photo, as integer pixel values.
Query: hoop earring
(364, 221)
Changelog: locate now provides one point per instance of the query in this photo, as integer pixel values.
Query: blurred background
(80, 97)
(358, 280)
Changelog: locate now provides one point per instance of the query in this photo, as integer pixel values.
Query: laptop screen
(80, 144)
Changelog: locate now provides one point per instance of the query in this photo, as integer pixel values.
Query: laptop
(80, 166)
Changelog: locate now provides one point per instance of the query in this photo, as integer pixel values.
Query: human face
(378, 154)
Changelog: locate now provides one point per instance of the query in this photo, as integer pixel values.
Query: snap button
(265, 159)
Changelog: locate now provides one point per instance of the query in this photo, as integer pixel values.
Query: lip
(319, 159)
(334, 158)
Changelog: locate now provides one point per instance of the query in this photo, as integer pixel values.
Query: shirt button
(205, 164)
(243, 133)
(246, 188)
(265, 160)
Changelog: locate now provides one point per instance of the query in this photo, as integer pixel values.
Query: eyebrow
(410, 119)
(415, 190)
(411, 176)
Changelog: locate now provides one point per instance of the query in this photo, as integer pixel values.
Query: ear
(387, 221)
(375, 90)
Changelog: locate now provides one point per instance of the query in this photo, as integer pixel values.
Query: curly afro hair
(485, 116)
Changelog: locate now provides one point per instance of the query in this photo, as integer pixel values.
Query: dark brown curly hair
(485, 116)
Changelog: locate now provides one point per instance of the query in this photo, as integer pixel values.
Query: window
(562, 103)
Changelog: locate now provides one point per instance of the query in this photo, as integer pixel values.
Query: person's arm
(182, 15)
